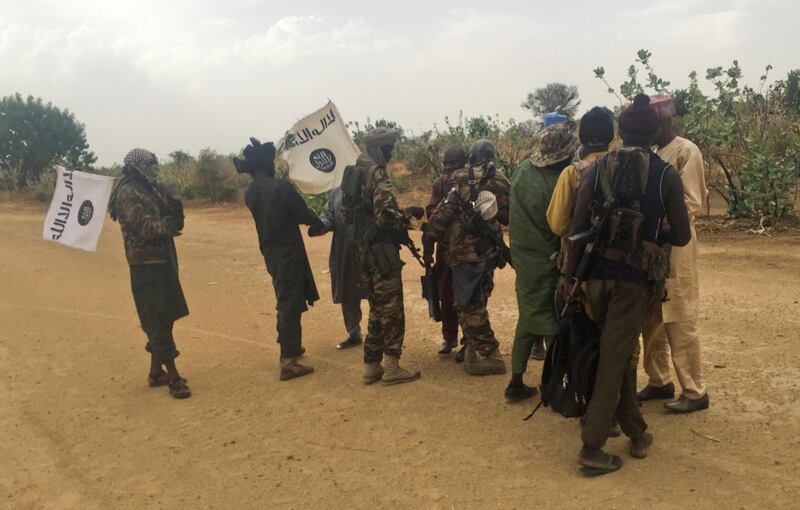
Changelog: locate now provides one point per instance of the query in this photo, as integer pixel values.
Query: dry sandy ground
(80, 428)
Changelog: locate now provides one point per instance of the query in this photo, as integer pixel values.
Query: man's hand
(316, 231)
(317, 228)
(175, 225)
(416, 212)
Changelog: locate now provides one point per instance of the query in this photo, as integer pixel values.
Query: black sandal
(154, 381)
(178, 389)
(609, 464)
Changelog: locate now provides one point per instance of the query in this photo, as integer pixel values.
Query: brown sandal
(178, 389)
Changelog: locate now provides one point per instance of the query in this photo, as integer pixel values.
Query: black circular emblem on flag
(323, 160)
(85, 213)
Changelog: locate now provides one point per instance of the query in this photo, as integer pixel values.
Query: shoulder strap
(644, 174)
(473, 185)
(664, 171)
(369, 181)
(602, 176)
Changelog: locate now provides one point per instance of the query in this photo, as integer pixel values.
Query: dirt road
(81, 429)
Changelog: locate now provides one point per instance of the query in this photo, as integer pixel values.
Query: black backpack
(570, 367)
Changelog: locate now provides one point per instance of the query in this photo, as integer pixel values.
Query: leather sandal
(178, 389)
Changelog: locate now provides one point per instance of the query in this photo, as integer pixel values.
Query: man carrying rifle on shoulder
(617, 244)
(454, 159)
(469, 221)
(381, 227)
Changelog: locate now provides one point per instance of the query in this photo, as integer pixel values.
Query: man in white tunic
(672, 326)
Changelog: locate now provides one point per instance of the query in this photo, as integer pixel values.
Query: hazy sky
(195, 73)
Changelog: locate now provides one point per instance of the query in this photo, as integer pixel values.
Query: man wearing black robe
(278, 210)
(343, 268)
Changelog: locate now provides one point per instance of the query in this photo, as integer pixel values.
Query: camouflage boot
(291, 369)
(396, 375)
(372, 373)
(476, 363)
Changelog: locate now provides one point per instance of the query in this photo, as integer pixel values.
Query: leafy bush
(42, 188)
(750, 138)
(215, 177)
(422, 154)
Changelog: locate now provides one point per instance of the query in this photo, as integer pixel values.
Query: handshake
(318, 228)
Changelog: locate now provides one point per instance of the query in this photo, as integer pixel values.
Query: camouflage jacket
(452, 225)
(143, 214)
(378, 199)
(385, 211)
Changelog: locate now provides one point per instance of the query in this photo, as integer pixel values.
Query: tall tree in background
(553, 97)
(34, 135)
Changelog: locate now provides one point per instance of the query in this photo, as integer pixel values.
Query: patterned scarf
(138, 163)
(144, 162)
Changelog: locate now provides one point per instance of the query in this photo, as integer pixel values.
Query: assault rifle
(376, 234)
(430, 288)
(591, 246)
(430, 293)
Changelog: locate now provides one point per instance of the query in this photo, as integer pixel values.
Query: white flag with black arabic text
(318, 148)
(78, 208)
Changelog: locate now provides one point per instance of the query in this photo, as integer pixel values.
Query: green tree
(215, 178)
(553, 97)
(35, 135)
(750, 139)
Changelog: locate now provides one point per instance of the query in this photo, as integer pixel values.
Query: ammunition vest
(632, 229)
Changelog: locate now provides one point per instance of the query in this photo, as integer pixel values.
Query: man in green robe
(534, 247)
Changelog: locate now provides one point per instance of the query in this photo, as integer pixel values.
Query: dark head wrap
(638, 122)
(454, 158)
(258, 157)
(481, 153)
(597, 127)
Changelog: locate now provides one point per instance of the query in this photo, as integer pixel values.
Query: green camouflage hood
(556, 143)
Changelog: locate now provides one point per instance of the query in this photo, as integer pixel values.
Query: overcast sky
(195, 73)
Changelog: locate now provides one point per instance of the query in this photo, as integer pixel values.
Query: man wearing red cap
(674, 323)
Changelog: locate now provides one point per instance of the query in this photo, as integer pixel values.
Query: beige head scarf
(376, 138)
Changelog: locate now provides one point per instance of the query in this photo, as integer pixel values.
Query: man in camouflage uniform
(473, 254)
(379, 235)
(150, 219)
(454, 158)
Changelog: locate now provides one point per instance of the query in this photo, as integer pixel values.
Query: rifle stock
(430, 293)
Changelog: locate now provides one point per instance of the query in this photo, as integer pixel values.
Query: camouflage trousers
(474, 318)
(386, 325)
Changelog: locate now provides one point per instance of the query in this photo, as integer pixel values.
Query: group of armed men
(639, 278)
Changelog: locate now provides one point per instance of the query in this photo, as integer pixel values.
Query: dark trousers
(160, 342)
(444, 280)
(522, 348)
(351, 313)
(290, 334)
(618, 309)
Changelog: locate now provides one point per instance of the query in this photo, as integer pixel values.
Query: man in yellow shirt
(595, 133)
